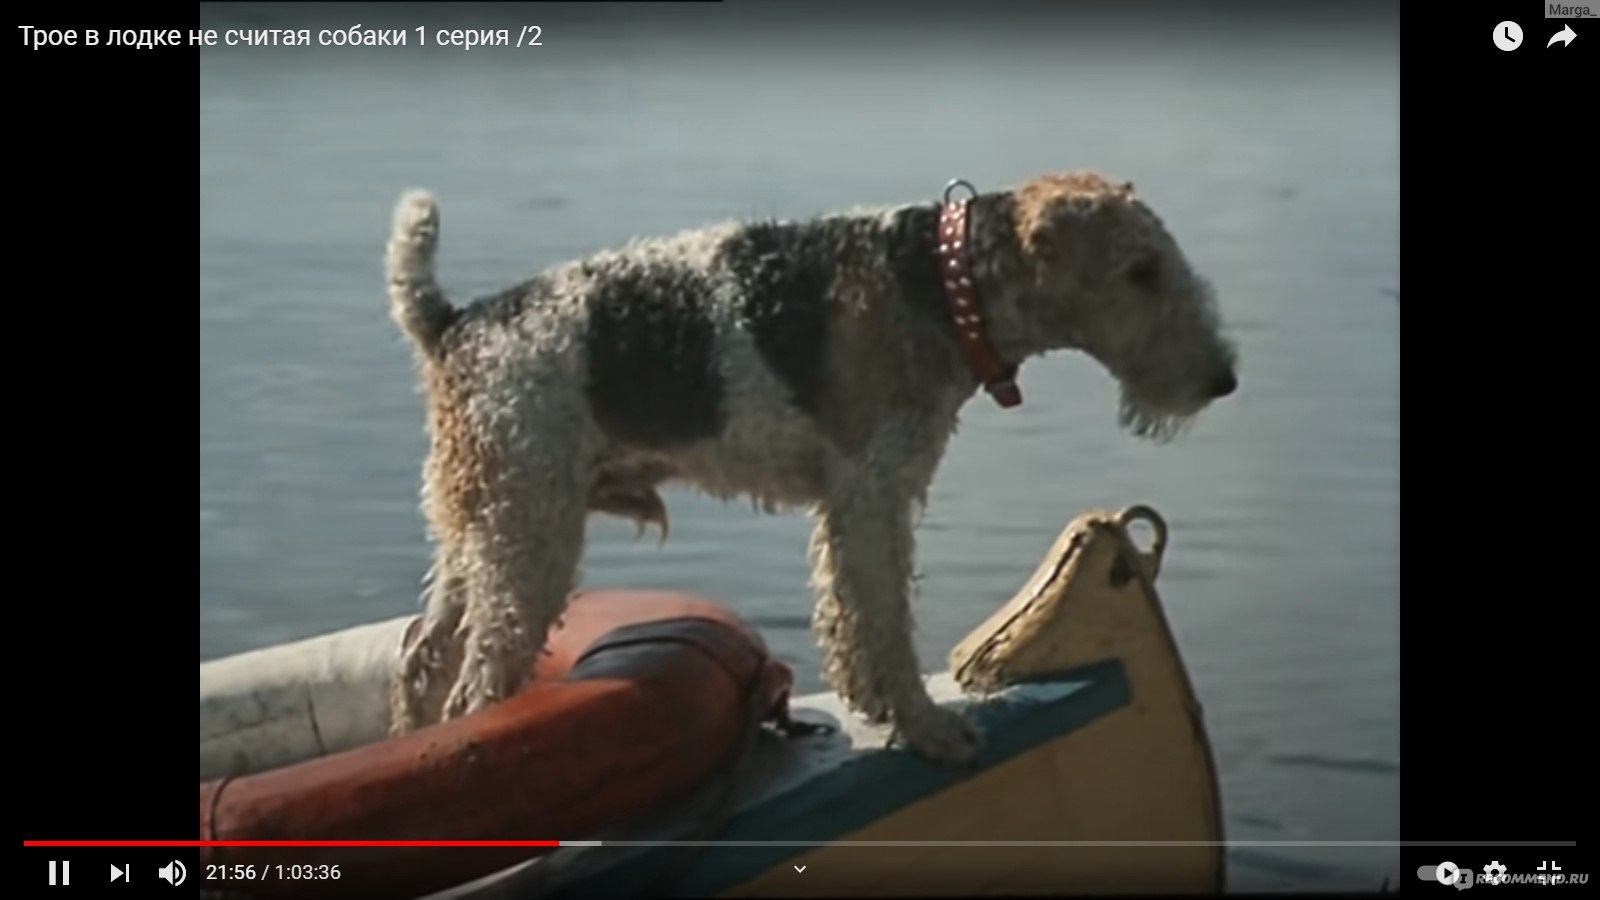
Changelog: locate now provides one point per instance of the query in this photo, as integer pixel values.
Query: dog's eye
(1146, 273)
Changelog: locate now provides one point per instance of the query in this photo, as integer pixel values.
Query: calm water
(1273, 158)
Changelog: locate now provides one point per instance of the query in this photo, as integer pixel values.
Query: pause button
(65, 869)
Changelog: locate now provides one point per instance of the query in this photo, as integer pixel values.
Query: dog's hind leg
(417, 693)
(862, 552)
(520, 566)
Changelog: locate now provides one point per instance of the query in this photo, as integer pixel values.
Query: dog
(818, 363)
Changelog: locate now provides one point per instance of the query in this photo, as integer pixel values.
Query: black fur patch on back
(653, 378)
(496, 310)
(783, 273)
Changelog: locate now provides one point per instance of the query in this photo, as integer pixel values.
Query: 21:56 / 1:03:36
(272, 873)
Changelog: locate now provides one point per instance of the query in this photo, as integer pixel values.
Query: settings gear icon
(1493, 872)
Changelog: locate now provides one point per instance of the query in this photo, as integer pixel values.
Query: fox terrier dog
(817, 363)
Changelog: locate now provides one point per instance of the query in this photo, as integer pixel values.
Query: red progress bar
(291, 843)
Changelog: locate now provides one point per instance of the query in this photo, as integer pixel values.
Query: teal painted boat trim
(865, 789)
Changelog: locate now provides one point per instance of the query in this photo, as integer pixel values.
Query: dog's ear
(1047, 227)
(1040, 234)
(1056, 213)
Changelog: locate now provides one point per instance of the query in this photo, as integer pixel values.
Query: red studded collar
(961, 295)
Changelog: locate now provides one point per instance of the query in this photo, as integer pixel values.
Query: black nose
(1225, 384)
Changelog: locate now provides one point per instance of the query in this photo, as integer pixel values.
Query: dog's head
(1103, 275)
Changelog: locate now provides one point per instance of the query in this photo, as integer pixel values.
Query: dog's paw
(474, 691)
(937, 734)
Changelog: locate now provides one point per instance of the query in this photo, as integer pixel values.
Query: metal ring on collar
(959, 183)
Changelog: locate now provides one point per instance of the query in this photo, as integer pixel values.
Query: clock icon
(1508, 35)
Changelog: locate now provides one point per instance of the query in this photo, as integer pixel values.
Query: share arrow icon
(1565, 36)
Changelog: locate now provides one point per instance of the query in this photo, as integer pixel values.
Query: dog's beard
(1152, 423)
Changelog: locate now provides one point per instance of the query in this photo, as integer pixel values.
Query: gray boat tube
(292, 702)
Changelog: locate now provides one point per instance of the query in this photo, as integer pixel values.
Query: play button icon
(117, 873)
(1447, 873)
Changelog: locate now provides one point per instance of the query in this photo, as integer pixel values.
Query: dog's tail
(416, 302)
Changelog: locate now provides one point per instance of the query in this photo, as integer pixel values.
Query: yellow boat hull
(1126, 804)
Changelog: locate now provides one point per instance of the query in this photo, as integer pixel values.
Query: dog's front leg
(862, 570)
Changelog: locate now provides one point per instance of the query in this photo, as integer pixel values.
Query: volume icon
(173, 873)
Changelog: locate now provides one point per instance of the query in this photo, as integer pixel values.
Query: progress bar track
(285, 843)
(1069, 843)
